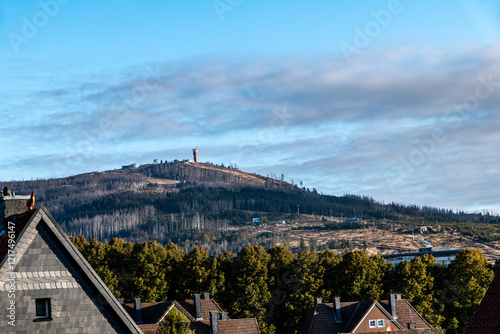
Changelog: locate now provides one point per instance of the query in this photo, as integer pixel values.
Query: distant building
(129, 166)
(46, 285)
(392, 315)
(204, 315)
(442, 255)
(255, 221)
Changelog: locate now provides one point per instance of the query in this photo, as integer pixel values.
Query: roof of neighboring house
(17, 226)
(238, 326)
(406, 313)
(412, 331)
(25, 227)
(486, 319)
(153, 314)
(323, 319)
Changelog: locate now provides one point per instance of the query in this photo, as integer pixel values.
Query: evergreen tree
(149, 282)
(467, 279)
(362, 276)
(174, 323)
(249, 288)
(195, 271)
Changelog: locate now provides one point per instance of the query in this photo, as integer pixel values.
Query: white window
(42, 308)
(372, 323)
(380, 323)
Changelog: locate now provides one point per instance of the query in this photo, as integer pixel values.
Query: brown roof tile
(486, 319)
(406, 313)
(207, 306)
(413, 331)
(238, 326)
(322, 320)
(152, 313)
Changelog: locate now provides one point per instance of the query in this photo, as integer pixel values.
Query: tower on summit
(195, 154)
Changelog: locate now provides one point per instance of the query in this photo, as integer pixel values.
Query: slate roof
(322, 320)
(22, 223)
(153, 313)
(486, 319)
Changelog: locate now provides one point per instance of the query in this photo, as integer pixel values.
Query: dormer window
(42, 309)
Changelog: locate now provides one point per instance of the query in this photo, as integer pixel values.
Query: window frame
(380, 325)
(46, 307)
(374, 323)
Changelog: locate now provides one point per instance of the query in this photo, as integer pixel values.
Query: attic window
(380, 323)
(42, 309)
(373, 323)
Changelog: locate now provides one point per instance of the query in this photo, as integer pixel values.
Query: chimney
(214, 322)
(10, 206)
(206, 296)
(392, 305)
(338, 313)
(138, 311)
(6, 191)
(411, 325)
(197, 307)
(223, 316)
(319, 301)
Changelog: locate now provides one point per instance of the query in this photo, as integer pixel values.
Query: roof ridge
(383, 310)
(418, 314)
(182, 309)
(352, 316)
(217, 304)
(61, 241)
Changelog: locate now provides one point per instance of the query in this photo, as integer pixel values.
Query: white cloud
(341, 127)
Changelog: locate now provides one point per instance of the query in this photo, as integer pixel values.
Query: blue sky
(392, 99)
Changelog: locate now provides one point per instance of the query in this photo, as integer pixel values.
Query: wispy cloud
(341, 127)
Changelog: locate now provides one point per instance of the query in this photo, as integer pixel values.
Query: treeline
(279, 288)
(111, 204)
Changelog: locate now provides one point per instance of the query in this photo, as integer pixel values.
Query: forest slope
(205, 204)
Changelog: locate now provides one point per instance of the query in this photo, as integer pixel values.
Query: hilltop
(214, 206)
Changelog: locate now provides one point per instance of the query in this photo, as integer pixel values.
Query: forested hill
(175, 201)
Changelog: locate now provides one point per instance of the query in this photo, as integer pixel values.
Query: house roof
(413, 331)
(406, 313)
(25, 227)
(238, 326)
(18, 225)
(486, 319)
(322, 320)
(153, 313)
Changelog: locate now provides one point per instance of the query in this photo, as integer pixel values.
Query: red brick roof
(238, 326)
(406, 313)
(358, 314)
(486, 320)
(322, 319)
(207, 306)
(153, 313)
(412, 331)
